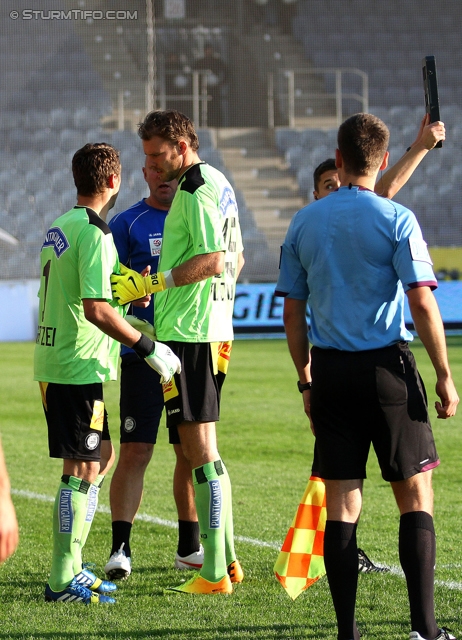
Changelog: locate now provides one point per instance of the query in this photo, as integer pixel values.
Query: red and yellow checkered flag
(301, 559)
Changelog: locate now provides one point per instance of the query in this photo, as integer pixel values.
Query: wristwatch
(304, 386)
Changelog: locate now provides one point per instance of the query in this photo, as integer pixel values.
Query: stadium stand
(60, 86)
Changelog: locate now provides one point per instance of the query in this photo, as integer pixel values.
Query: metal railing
(198, 98)
(297, 92)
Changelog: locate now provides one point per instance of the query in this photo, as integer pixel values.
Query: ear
(384, 164)
(338, 159)
(112, 181)
(182, 146)
(315, 194)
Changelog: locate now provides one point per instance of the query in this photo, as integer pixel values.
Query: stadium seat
(36, 179)
(60, 118)
(71, 140)
(286, 138)
(295, 157)
(53, 160)
(125, 140)
(205, 138)
(85, 118)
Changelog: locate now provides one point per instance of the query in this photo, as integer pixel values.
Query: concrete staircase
(269, 189)
(278, 52)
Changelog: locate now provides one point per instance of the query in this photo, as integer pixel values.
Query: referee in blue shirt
(353, 256)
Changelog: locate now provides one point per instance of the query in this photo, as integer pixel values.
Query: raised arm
(396, 177)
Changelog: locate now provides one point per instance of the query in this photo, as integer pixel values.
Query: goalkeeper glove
(142, 325)
(130, 285)
(159, 357)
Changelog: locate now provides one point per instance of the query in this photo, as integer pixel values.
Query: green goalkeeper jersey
(203, 218)
(77, 259)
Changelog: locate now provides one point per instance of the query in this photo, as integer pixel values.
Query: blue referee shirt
(138, 233)
(352, 255)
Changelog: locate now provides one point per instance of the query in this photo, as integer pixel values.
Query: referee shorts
(194, 394)
(76, 419)
(370, 397)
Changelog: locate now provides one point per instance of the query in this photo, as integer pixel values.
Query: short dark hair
(327, 165)
(92, 165)
(169, 125)
(362, 141)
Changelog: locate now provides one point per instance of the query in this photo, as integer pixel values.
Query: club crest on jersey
(227, 200)
(129, 424)
(92, 441)
(155, 245)
(55, 238)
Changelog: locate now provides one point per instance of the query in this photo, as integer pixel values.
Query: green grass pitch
(265, 440)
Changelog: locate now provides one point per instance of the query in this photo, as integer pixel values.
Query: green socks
(92, 504)
(69, 515)
(213, 490)
(229, 527)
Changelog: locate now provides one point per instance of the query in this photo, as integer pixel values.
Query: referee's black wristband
(144, 347)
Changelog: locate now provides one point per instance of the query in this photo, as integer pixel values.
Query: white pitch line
(102, 508)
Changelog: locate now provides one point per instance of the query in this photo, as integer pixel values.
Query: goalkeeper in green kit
(77, 349)
(201, 257)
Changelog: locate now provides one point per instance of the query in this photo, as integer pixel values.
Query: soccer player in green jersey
(200, 261)
(77, 349)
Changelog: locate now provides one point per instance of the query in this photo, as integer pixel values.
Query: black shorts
(377, 397)
(76, 418)
(194, 394)
(141, 402)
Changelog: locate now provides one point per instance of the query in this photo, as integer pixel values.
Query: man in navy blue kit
(137, 234)
(353, 256)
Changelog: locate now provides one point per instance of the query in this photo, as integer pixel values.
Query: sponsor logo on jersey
(129, 424)
(227, 200)
(215, 504)
(97, 419)
(155, 245)
(170, 412)
(65, 513)
(224, 354)
(170, 390)
(92, 441)
(55, 238)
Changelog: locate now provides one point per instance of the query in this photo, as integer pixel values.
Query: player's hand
(143, 303)
(432, 133)
(307, 406)
(128, 285)
(164, 361)
(9, 532)
(447, 393)
(429, 133)
(142, 325)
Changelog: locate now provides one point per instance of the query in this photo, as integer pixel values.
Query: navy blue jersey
(138, 234)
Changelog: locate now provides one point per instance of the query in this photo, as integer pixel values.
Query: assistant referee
(353, 256)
